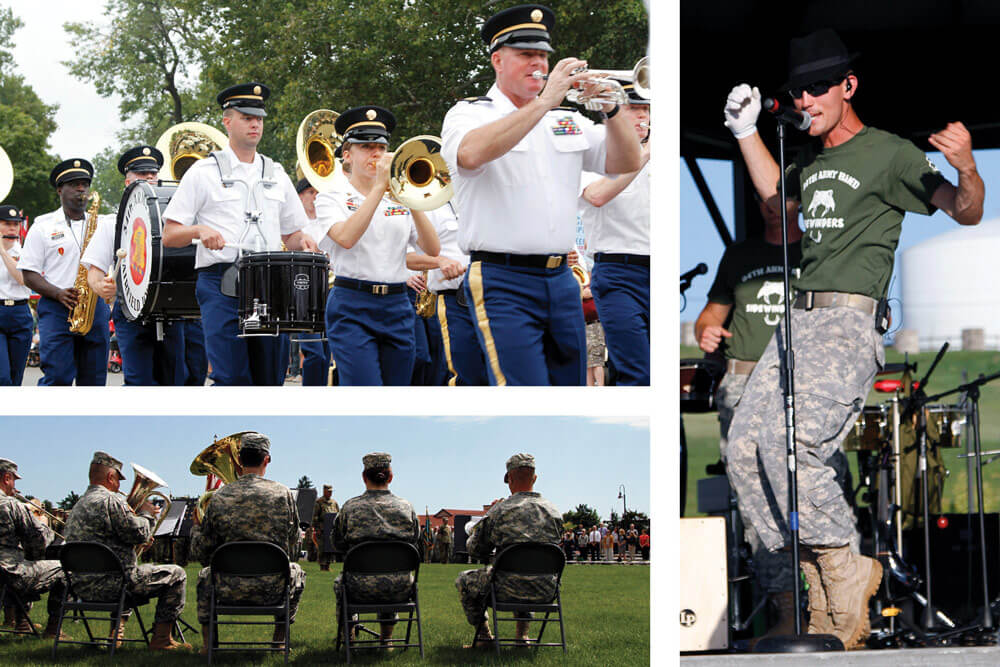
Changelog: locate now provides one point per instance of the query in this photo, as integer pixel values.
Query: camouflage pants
(163, 582)
(837, 353)
(374, 588)
(474, 591)
(32, 578)
(249, 590)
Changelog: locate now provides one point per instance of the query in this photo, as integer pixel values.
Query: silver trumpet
(608, 84)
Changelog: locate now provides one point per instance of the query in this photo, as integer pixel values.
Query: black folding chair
(95, 558)
(9, 597)
(249, 560)
(370, 558)
(529, 558)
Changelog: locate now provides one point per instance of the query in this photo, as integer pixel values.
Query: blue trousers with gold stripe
(66, 356)
(371, 337)
(315, 360)
(466, 363)
(529, 324)
(16, 326)
(145, 360)
(194, 353)
(621, 294)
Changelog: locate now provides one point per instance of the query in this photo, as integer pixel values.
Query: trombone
(38, 508)
(143, 489)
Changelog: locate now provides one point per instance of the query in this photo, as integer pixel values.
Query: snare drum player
(615, 212)
(369, 319)
(855, 184)
(145, 360)
(49, 263)
(515, 161)
(203, 208)
(16, 323)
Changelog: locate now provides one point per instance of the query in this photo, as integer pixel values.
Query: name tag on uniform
(352, 204)
(566, 126)
(55, 236)
(396, 210)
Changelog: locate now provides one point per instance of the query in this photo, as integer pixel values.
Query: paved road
(33, 375)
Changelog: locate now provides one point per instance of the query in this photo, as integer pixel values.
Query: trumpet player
(22, 544)
(615, 212)
(49, 264)
(103, 515)
(369, 319)
(16, 324)
(515, 159)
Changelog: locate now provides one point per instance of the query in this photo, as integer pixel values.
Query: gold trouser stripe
(476, 287)
(443, 319)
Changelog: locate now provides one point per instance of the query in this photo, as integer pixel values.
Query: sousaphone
(316, 144)
(219, 460)
(184, 144)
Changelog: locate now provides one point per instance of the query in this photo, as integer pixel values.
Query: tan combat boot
(51, 627)
(784, 603)
(521, 633)
(484, 637)
(850, 581)
(204, 640)
(162, 641)
(820, 622)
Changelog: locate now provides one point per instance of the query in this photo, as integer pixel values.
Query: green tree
(304, 482)
(69, 501)
(583, 515)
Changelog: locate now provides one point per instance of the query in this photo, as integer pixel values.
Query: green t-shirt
(750, 280)
(853, 199)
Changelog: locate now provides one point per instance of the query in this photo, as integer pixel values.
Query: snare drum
(870, 431)
(944, 424)
(154, 283)
(282, 292)
(699, 380)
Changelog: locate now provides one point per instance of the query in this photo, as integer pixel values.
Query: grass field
(702, 430)
(606, 610)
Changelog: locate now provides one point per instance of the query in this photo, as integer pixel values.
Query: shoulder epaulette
(473, 100)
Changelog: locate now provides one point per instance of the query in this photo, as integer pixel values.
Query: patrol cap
(302, 185)
(254, 440)
(633, 97)
(520, 461)
(247, 98)
(376, 460)
(71, 170)
(520, 27)
(10, 213)
(364, 125)
(327, 487)
(105, 459)
(6, 465)
(140, 158)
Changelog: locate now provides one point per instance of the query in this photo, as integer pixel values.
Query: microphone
(800, 120)
(696, 271)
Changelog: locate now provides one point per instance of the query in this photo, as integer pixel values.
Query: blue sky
(455, 462)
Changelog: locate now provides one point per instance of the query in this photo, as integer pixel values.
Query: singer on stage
(854, 185)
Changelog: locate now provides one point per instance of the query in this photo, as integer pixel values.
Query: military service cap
(247, 98)
(520, 461)
(365, 125)
(105, 459)
(140, 158)
(254, 440)
(633, 97)
(73, 169)
(376, 460)
(10, 213)
(6, 465)
(327, 486)
(521, 27)
(302, 185)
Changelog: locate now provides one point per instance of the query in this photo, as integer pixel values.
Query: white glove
(742, 109)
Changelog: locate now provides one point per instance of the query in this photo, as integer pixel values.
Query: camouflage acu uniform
(23, 539)
(256, 509)
(321, 509)
(103, 516)
(523, 517)
(374, 515)
(442, 543)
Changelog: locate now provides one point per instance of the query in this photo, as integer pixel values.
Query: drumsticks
(239, 246)
(119, 255)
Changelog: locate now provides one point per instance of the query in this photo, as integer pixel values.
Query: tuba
(144, 487)
(81, 318)
(316, 144)
(418, 175)
(220, 460)
(184, 144)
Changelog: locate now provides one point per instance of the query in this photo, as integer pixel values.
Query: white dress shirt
(9, 288)
(52, 246)
(445, 221)
(621, 225)
(100, 251)
(524, 201)
(380, 254)
(202, 200)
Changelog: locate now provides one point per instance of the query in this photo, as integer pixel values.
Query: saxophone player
(49, 263)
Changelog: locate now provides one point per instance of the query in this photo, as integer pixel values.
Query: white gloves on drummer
(742, 109)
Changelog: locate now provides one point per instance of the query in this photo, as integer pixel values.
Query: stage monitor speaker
(326, 537)
(459, 538)
(703, 586)
(305, 499)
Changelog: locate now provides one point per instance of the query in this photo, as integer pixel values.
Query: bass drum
(281, 292)
(154, 283)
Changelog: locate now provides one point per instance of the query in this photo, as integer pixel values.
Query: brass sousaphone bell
(184, 144)
(316, 144)
(220, 459)
(6, 174)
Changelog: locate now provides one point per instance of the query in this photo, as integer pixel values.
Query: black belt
(447, 292)
(527, 261)
(370, 288)
(13, 302)
(622, 258)
(221, 267)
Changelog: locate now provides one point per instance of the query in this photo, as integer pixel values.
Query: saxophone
(426, 301)
(81, 318)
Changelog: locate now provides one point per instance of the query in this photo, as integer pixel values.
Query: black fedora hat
(817, 56)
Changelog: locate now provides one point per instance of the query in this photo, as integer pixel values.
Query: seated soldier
(251, 508)
(523, 517)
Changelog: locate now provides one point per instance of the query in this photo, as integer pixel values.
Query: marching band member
(145, 360)
(315, 352)
(203, 208)
(615, 212)
(369, 319)
(49, 263)
(16, 323)
(515, 161)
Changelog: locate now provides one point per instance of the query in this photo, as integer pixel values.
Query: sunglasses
(814, 89)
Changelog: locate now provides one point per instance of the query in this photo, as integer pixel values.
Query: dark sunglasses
(814, 89)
